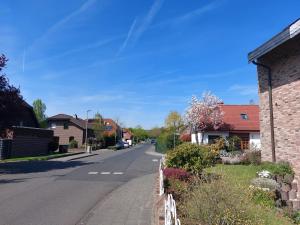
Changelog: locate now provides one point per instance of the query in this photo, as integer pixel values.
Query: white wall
(254, 138)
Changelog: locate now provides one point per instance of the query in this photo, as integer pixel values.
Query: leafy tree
(155, 132)
(10, 100)
(99, 127)
(39, 109)
(139, 133)
(204, 113)
(174, 121)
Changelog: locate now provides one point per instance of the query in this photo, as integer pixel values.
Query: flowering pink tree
(203, 114)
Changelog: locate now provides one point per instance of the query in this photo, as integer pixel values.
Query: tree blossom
(204, 113)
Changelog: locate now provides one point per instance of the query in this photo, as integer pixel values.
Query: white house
(239, 120)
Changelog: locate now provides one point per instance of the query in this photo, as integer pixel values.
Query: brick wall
(30, 141)
(285, 64)
(65, 134)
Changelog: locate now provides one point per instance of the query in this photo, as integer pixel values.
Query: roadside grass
(38, 158)
(240, 176)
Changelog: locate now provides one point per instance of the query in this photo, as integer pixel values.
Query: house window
(53, 125)
(108, 128)
(66, 126)
(212, 138)
(244, 116)
(71, 138)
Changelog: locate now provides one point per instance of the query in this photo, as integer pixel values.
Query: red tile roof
(233, 120)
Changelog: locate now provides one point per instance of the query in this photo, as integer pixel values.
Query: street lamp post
(86, 130)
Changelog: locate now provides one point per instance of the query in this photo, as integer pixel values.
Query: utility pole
(86, 130)
(174, 137)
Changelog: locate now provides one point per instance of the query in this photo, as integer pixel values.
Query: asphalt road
(112, 188)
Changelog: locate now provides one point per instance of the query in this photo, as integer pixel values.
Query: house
(25, 117)
(238, 120)
(69, 128)
(22, 136)
(278, 68)
(112, 129)
(127, 136)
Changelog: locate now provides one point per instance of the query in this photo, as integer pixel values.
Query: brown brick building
(69, 128)
(278, 66)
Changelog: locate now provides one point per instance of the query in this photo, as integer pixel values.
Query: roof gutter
(270, 106)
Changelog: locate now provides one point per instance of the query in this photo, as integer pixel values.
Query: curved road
(111, 188)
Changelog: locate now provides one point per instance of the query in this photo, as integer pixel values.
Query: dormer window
(244, 116)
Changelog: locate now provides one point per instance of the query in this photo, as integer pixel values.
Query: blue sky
(136, 60)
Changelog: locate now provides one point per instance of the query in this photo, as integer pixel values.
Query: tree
(98, 127)
(10, 100)
(174, 123)
(155, 132)
(39, 109)
(139, 133)
(204, 113)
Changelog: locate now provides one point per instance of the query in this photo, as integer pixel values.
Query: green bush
(280, 168)
(73, 144)
(216, 203)
(165, 142)
(191, 157)
(233, 143)
(264, 198)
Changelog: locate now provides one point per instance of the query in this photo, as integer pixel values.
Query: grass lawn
(240, 176)
(38, 158)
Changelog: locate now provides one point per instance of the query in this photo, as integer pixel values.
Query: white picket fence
(170, 204)
(170, 211)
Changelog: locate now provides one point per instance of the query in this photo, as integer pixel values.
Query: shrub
(216, 203)
(218, 146)
(191, 157)
(264, 198)
(280, 168)
(265, 183)
(233, 143)
(176, 173)
(176, 187)
(53, 145)
(165, 142)
(251, 157)
(73, 144)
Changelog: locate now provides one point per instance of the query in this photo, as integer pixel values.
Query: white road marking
(93, 173)
(105, 173)
(118, 173)
(154, 160)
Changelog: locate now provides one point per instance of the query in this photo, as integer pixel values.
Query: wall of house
(285, 65)
(65, 134)
(254, 139)
(206, 134)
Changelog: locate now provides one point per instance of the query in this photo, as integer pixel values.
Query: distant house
(278, 68)
(127, 136)
(69, 128)
(112, 129)
(239, 120)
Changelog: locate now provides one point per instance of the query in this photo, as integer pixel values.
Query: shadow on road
(37, 166)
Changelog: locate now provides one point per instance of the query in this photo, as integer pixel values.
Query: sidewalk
(79, 156)
(130, 204)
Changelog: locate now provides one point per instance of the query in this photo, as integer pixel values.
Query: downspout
(270, 106)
